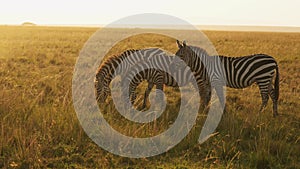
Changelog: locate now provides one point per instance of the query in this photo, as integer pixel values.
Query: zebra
(154, 71)
(106, 71)
(238, 72)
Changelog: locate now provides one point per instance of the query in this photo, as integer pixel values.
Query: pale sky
(197, 12)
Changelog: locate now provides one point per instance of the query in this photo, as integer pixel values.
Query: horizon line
(209, 27)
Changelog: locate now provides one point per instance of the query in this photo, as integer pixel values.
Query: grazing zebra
(106, 71)
(238, 72)
(154, 70)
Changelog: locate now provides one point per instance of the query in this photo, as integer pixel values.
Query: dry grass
(39, 128)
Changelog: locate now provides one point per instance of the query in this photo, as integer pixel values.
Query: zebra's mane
(198, 50)
(110, 59)
(199, 53)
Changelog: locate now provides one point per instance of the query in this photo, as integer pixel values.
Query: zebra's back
(241, 72)
(156, 67)
(117, 65)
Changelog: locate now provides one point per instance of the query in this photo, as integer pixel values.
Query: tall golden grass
(39, 127)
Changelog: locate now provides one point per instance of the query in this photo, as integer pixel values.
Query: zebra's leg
(208, 94)
(274, 99)
(208, 98)
(159, 92)
(147, 92)
(264, 90)
(132, 95)
(131, 92)
(126, 97)
(205, 94)
(221, 96)
(204, 90)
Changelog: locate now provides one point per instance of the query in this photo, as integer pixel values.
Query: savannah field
(39, 127)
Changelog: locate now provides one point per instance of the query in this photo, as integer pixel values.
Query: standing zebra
(106, 71)
(154, 70)
(238, 72)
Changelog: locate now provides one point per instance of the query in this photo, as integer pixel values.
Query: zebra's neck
(110, 67)
(199, 61)
(113, 69)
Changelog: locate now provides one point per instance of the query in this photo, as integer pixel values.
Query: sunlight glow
(209, 12)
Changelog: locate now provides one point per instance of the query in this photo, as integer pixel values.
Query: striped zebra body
(235, 72)
(154, 70)
(242, 72)
(122, 62)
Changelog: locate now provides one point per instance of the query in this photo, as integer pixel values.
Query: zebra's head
(102, 89)
(184, 54)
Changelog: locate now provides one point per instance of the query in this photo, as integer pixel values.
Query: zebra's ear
(179, 45)
(184, 43)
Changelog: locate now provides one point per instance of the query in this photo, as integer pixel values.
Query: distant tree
(28, 24)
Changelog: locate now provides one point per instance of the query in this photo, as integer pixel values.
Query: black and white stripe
(154, 70)
(235, 72)
(108, 68)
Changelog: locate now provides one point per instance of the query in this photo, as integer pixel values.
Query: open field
(39, 127)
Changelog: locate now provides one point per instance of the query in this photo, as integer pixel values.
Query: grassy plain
(39, 127)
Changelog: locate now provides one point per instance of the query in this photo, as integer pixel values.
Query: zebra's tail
(276, 85)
